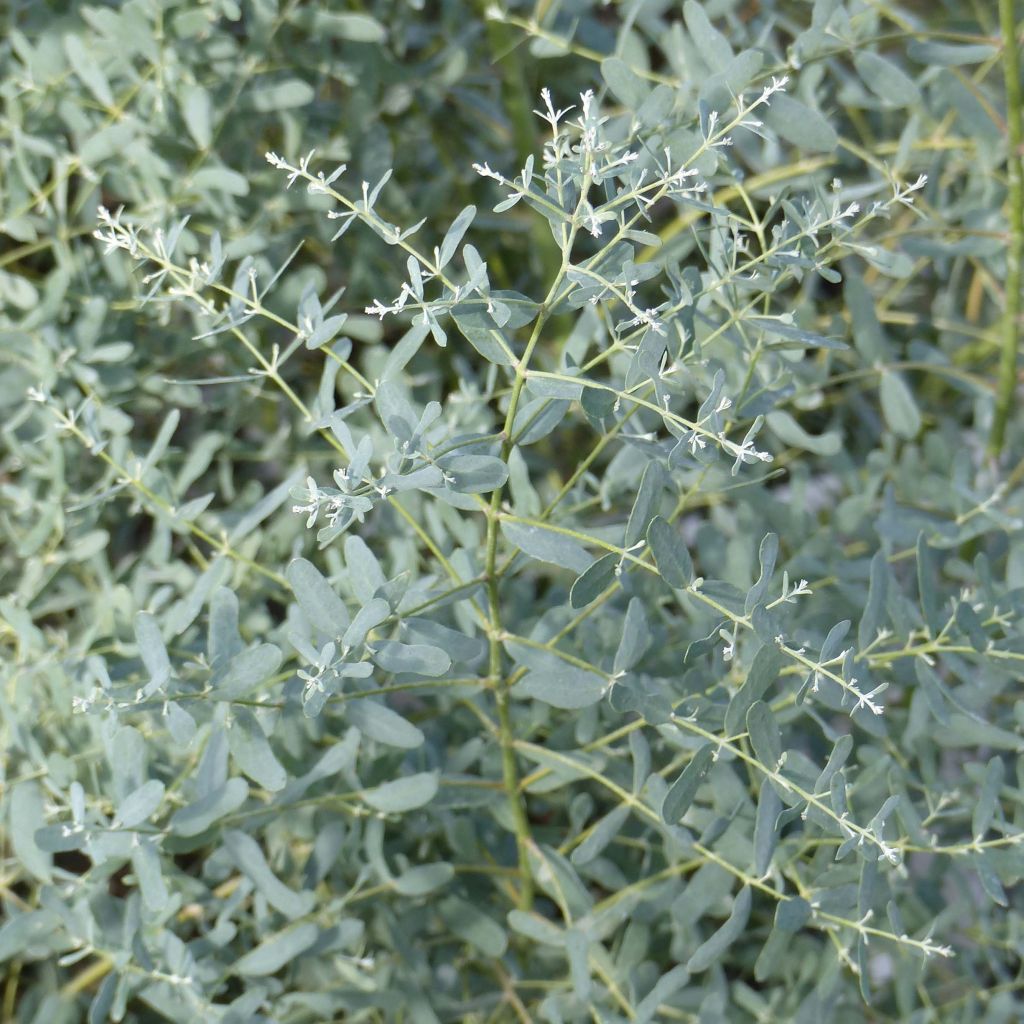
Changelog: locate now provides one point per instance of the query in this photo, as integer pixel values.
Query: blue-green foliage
(477, 557)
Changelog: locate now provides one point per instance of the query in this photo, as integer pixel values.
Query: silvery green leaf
(26, 930)
(836, 759)
(867, 885)
(594, 581)
(88, 70)
(152, 651)
(636, 638)
(927, 584)
(796, 337)
(474, 927)
(401, 353)
(453, 236)
(538, 418)
(645, 507)
(602, 833)
(326, 332)
(190, 511)
(931, 52)
(764, 734)
(364, 572)
(547, 545)
(765, 833)
(546, 387)
(718, 89)
(536, 928)
(339, 757)
(577, 948)
(102, 1005)
(277, 950)
(375, 612)
(184, 612)
(76, 794)
(556, 876)
(888, 261)
(317, 598)
(642, 694)
(475, 474)
(460, 647)
(671, 982)
(246, 670)
(397, 413)
(764, 670)
(887, 81)
(971, 626)
(357, 28)
(148, 875)
(553, 680)
(832, 645)
(981, 861)
(382, 724)
(868, 334)
(220, 179)
(27, 814)
(874, 608)
(863, 970)
(404, 794)
(627, 86)
(222, 639)
(196, 112)
(252, 752)
(249, 858)
(681, 793)
(426, 478)
(419, 659)
(281, 95)
(790, 916)
(988, 798)
(140, 804)
(59, 838)
(424, 879)
(640, 751)
(714, 948)
(564, 686)
(205, 812)
(525, 500)
(789, 431)
(898, 405)
(482, 332)
(767, 555)
(800, 125)
(599, 405)
(269, 503)
(712, 45)
(163, 438)
(670, 554)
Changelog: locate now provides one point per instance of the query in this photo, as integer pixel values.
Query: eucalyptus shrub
(573, 585)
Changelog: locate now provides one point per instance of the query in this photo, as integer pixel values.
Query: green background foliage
(553, 553)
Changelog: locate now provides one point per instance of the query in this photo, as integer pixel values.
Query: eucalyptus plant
(584, 587)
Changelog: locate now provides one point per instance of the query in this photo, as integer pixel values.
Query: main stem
(500, 680)
(1008, 362)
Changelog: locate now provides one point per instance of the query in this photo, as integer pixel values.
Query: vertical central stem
(500, 680)
(1015, 247)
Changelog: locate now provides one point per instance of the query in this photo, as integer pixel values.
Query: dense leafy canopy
(500, 513)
